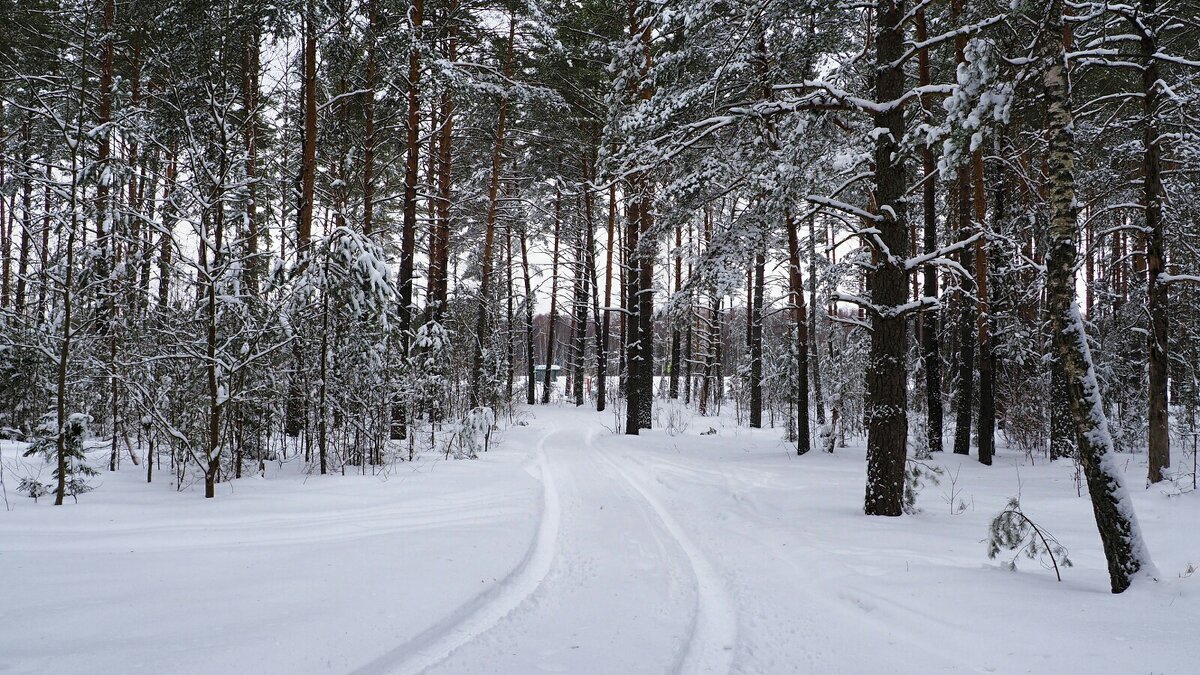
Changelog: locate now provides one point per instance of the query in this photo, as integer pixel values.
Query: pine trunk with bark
(548, 375)
(482, 312)
(886, 409)
(930, 347)
(986, 423)
(1157, 305)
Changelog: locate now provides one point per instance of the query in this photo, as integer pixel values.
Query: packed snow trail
(490, 606)
(714, 631)
(626, 591)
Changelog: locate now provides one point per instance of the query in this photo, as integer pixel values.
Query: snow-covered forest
(511, 336)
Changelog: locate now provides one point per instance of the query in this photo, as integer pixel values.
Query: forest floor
(567, 548)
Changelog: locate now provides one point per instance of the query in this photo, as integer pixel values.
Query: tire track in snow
(481, 613)
(713, 634)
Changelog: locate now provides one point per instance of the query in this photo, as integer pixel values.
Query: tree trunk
(964, 406)
(886, 405)
(676, 334)
(799, 316)
(633, 326)
(602, 353)
(548, 376)
(368, 181)
(412, 146)
(1119, 532)
(250, 66)
(439, 248)
(965, 400)
(308, 172)
(1156, 289)
(482, 323)
(986, 424)
(756, 341)
(104, 212)
(530, 384)
(930, 347)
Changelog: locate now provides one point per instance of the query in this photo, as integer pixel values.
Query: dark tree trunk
(603, 327)
(676, 334)
(548, 378)
(408, 232)
(482, 318)
(633, 326)
(930, 347)
(965, 400)
(886, 405)
(530, 384)
(756, 342)
(799, 316)
(308, 172)
(1156, 288)
(986, 424)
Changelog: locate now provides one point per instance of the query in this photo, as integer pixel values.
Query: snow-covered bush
(477, 430)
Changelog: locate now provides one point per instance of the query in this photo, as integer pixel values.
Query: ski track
(713, 634)
(853, 605)
(485, 610)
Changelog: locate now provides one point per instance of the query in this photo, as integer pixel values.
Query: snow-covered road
(572, 549)
(613, 583)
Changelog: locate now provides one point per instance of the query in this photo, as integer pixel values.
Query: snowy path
(489, 607)
(625, 588)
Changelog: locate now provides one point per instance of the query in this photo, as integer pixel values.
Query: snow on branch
(921, 260)
(847, 208)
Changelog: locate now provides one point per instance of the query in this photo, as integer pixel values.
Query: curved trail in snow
(485, 610)
(713, 635)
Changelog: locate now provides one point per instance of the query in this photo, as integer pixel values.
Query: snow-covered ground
(570, 549)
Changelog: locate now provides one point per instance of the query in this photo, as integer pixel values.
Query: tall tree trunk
(531, 358)
(250, 66)
(676, 334)
(986, 424)
(756, 340)
(104, 211)
(6, 226)
(1119, 532)
(1156, 288)
(930, 347)
(603, 328)
(167, 243)
(799, 316)
(439, 249)
(412, 148)
(632, 326)
(579, 319)
(964, 406)
(640, 260)
(308, 171)
(26, 220)
(548, 375)
(369, 141)
(482, 323)
(814, 359)
(886, 405)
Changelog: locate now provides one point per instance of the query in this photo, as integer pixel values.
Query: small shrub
(1012, 530)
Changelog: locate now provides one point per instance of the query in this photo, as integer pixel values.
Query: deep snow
(567, 548)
